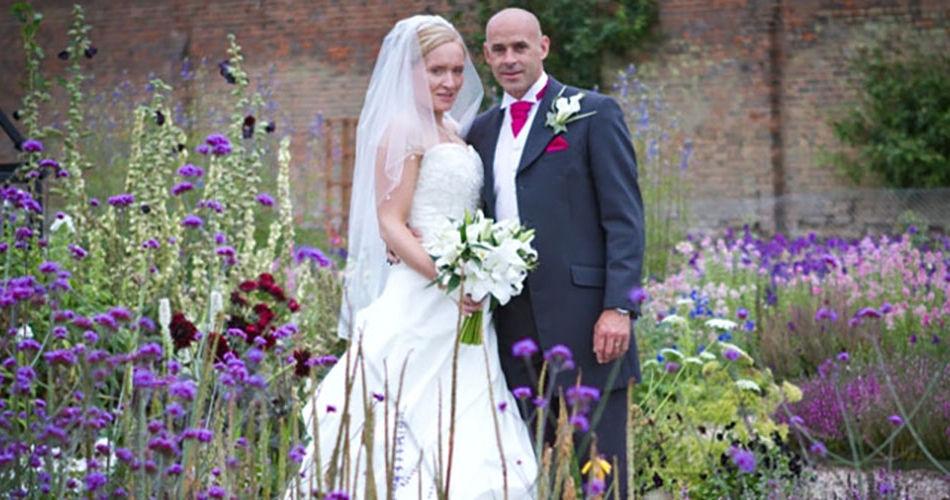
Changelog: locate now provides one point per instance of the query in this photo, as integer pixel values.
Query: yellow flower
(792, 392)
(600, 467)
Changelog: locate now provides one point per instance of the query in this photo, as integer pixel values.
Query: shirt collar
(530, 96)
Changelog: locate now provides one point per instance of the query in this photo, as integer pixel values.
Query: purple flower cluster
(303, 253)
(122, 200)
(215, 144)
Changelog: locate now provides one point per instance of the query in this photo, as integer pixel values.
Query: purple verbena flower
(122, 200)
(744, 459)
(524, 348)
(579, 421)
(868, 312)
(192, 220)
(189, 170)
(297, 453)
(521, 392)
(638, 295)
(265, 199)
(76, 252)
(303, 253)
(32, 146)
(182, 187)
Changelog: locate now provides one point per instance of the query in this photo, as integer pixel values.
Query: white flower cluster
(484, 256)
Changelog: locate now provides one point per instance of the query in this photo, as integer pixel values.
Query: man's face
(515, 51)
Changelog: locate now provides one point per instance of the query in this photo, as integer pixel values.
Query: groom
(578, 189)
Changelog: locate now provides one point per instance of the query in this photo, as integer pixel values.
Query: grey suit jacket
(584, 203)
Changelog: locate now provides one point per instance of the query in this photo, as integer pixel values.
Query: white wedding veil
(397, 120)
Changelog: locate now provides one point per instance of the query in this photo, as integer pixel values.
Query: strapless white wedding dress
(402, 361)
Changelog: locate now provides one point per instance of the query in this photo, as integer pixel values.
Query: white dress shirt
(508, 153)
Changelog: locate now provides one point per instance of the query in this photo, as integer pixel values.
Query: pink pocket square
(556, 145)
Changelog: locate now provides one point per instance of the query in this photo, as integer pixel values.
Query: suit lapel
(540, 135)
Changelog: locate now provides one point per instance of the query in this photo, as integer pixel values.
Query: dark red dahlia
(264, 315)
(301, 368)
(252, 332)
(235, 321)
(293, 305)
(278, 293)
(248, 286)
(238, 299)
(265, 281)
(182, 331)
(220, 345)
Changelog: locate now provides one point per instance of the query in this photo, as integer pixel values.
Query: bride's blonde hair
(436, 34)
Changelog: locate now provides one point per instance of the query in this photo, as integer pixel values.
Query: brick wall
(754, 81)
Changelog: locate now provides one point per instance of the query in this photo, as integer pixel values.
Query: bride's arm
(393, 214)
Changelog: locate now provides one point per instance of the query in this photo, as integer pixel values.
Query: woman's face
(444, 66)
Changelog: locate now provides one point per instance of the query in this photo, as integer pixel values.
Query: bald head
(527, 20)
(515, 49)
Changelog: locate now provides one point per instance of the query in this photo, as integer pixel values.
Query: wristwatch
(625, 312)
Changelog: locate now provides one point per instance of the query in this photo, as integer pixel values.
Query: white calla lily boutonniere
(564, 110)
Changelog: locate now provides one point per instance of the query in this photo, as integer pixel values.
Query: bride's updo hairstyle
(436, 34)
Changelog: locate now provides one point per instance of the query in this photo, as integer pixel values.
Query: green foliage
(900, 127)
(663, 157)
(702, 401)
(95, 335)
(581, 33)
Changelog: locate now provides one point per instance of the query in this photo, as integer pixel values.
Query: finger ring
(616, 344)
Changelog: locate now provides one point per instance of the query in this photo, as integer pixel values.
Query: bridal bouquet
(485, 258)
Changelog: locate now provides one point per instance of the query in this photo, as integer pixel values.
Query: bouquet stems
(471, 332)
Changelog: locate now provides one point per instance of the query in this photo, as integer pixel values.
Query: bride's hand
(469, 305)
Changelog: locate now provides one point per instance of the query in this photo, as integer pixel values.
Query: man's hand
(611, 335)
(391, 256)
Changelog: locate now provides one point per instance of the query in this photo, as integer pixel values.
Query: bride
(381, 420)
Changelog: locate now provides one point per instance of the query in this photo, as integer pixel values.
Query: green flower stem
(471, 329)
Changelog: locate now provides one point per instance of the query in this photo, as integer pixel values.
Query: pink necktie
(519, 115)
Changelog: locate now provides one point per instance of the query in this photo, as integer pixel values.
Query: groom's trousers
(610, 428)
